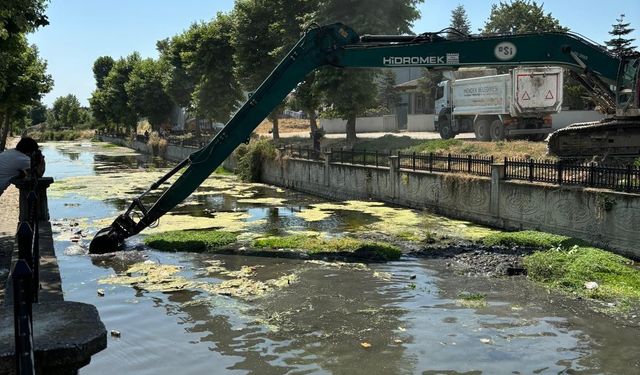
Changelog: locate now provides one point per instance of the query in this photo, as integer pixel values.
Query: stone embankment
(65, 334)
(605, 218)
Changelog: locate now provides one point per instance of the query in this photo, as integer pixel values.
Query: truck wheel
(481, 129)
(444, 126)
(496, 130)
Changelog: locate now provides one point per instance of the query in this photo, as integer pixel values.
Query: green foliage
(65, 112)
(314, 244)
(101, 68)
(146, 93)
(201, 75)
(21, 16)
(37, 113)
(520, 16)
(111, 103)
(23, 81)
(57, 135)
(570, 268)
(264, 32)
(618, 44)
(530, 238)
(196, 241)
(250, 159)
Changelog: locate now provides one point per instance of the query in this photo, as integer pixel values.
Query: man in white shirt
(16, 163)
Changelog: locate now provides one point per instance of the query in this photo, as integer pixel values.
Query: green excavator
(611, 80)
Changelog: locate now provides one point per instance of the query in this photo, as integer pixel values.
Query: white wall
(363, 125)
(424, 123)
(420, 123)
(565, 118)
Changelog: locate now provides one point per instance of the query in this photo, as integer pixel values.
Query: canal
(329, 317)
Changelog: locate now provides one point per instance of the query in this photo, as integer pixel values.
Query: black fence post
(431, 162)
(22, 318)
(559, 169)
(506, 168)
(627, 185)
(376, 158)
(449, 162)
(25, 240)
(592, 170)
(413, 161)
(469, 164)
(530, 170)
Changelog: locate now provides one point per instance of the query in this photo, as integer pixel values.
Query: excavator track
(608, 138)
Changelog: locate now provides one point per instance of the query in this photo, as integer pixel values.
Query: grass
(570, 269)
(314, 244)
(499, 150)
(530, 238)
(568, 263)
(190, 240)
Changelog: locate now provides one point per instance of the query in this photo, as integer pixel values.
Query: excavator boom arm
(338, 45)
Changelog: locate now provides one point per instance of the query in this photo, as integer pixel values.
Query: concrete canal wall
(605, 218)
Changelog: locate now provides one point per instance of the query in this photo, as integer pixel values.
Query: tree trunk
(351, 130)
(275, 130)
(5, 130)
(313, 121)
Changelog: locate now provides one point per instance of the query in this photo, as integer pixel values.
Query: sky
(82, 30)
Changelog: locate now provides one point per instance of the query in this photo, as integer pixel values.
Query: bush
(250, 159)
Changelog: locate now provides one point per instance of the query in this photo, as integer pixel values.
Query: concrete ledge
(66, 335)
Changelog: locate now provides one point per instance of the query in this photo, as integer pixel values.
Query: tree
(350, 92)
(264, 32)
(145, 92)
(307, 98)
(201, 66)
(21, 16)
(388, 96)
(111, 104)
(617, 44)
(460, 22)
(26, 81)
(65, 112)
(520, 16)
(101, 68)
(21, 70)
(37, 113)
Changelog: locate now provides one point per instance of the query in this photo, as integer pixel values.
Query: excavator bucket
(105, 241)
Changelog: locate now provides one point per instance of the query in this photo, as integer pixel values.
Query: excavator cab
(628, 88)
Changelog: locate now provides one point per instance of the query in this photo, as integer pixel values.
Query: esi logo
(505, 51)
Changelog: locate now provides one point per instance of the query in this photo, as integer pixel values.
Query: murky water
(401, 317)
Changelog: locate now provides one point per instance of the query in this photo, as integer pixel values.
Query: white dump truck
(500, 106)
